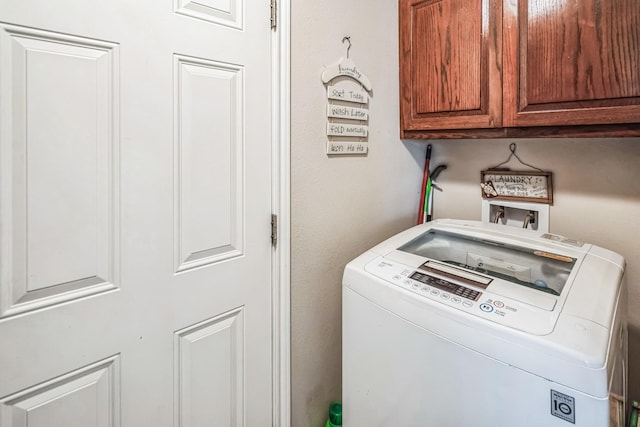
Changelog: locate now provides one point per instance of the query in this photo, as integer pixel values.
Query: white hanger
(346, 67)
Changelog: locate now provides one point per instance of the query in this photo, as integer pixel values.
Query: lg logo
(563, 406)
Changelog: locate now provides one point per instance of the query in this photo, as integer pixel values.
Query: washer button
(488, 308)
(445, 296)
(416, 286)
(456, 300)
(435, 292)
(498, 304)
(425, 288)
(467, 303)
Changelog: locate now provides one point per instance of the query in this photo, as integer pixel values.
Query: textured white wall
(340, 206)
(596, 198)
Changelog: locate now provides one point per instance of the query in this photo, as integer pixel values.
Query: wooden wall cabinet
(499, 68)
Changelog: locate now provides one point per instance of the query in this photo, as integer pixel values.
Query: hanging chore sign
(351, 113)
(347, 107)
(342, 94)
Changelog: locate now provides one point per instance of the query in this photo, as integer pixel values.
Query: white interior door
(135, 178)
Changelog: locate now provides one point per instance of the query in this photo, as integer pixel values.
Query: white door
(135, 178)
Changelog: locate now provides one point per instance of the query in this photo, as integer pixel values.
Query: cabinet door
(571, 62)
(450, 59)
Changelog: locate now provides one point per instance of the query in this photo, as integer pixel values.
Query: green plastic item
(335, 415)
(633, 418)
(426, 200)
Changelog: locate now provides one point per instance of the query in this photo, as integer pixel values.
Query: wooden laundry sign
(517, 185)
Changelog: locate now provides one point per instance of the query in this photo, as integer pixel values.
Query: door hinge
(274, 14)
(274, 230)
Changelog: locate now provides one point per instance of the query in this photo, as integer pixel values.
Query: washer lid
(511, 265)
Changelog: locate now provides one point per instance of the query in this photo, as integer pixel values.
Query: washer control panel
(446, 285)
(456, 294)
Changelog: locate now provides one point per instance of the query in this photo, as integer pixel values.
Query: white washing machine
(456, 323)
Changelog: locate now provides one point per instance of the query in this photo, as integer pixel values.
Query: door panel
(572, 62)
(208, 188)
(199, 382)
(86, 397)
(135, 179)
(58, 168)
(450, 62)
(223, 12)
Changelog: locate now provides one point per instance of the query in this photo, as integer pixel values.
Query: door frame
(281, 205)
